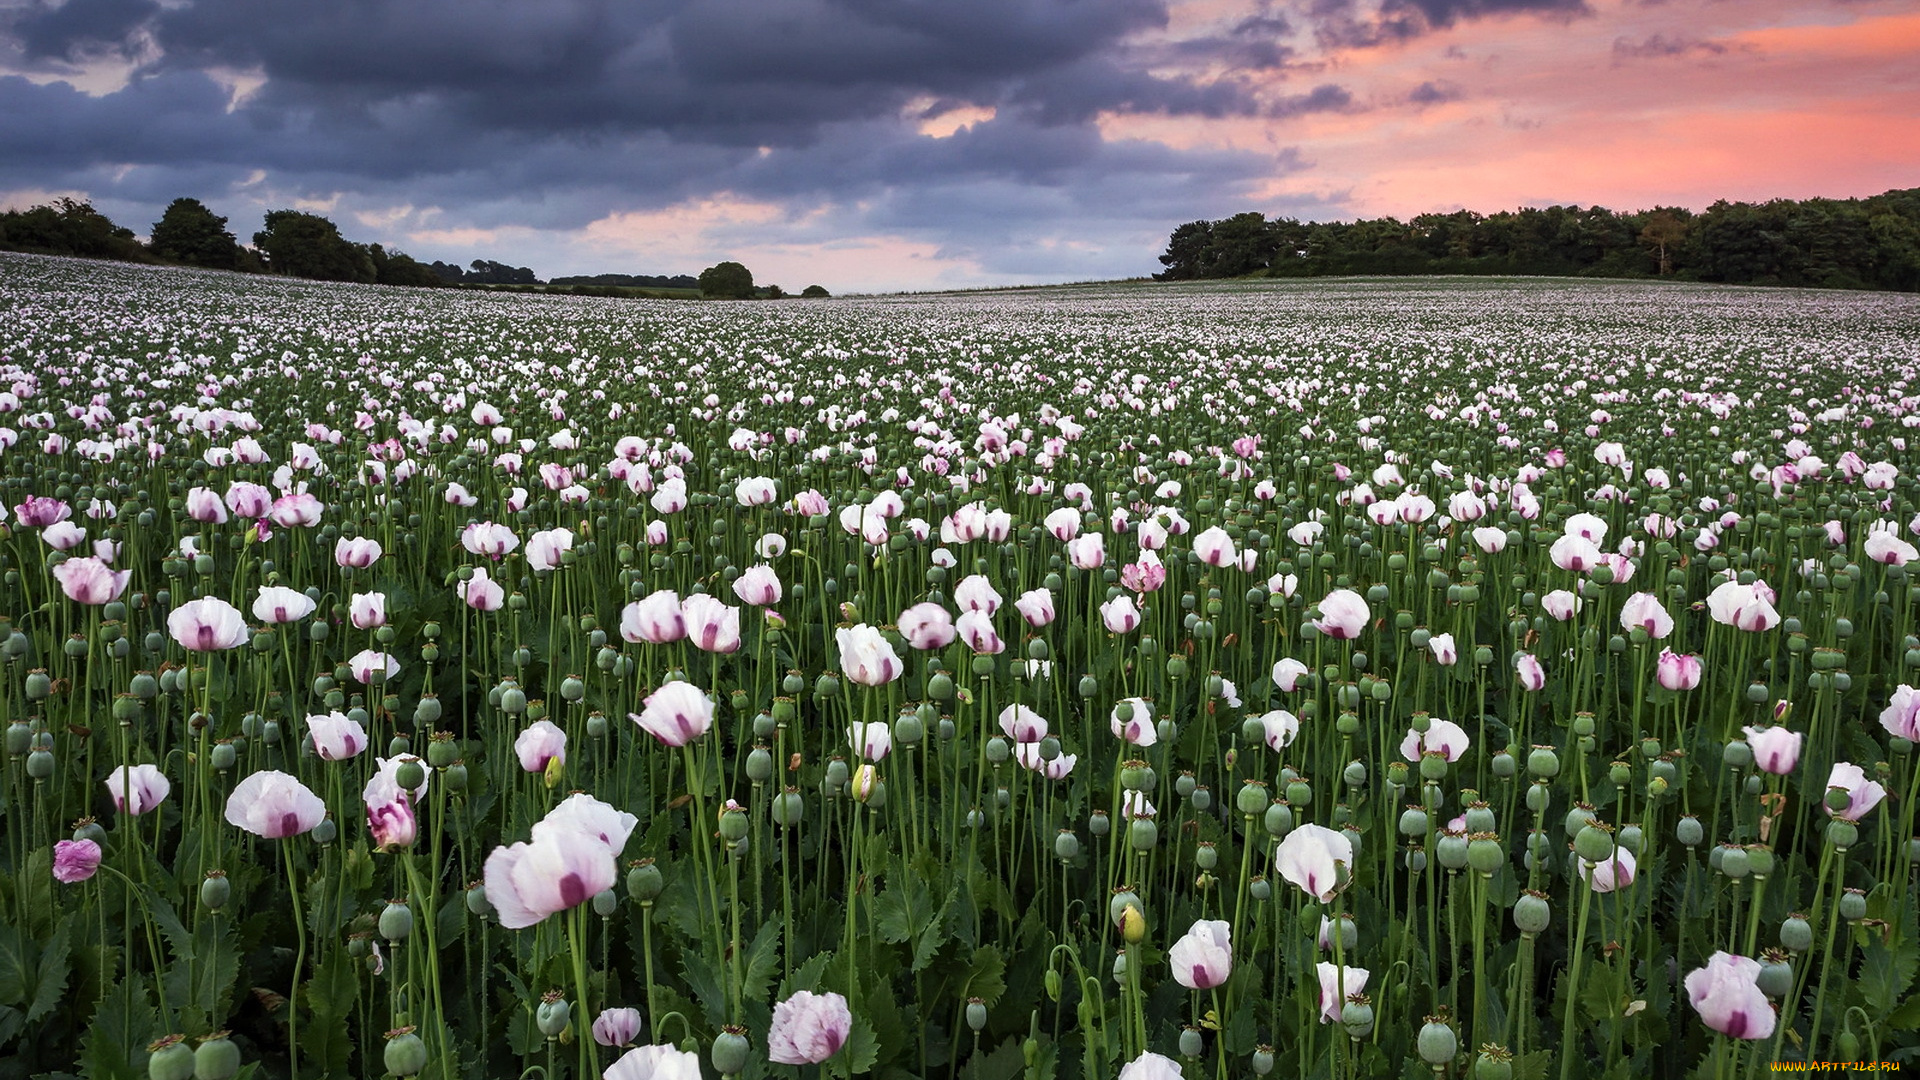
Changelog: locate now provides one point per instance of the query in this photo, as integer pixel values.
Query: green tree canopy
(309, 246)
(814, 292)
(726, 281)
(190, 233)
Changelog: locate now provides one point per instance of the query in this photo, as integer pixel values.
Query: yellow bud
(554, 768)
(1133, 925)
(864, 779)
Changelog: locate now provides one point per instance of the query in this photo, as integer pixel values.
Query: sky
(882, 145)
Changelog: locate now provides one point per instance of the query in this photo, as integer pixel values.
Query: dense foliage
(1871, 243)
(1308, 679)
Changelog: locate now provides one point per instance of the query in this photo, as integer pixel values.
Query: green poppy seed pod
(1451, 850)
(404, 1055)
(396, 921)
(224, 756)
(1089, 686)
(1484, 854)
(1630, 837)
(997, 750)
(1262, 1060)
(1796, 934)
(40, 764)
(552, 1015)
(1192, 1045)
(733, 824)
(442, 751)
(39, 684)
(144, 686)
(1099, 823)
(1118, 903)
(1776, 976)
(1184, 784)
(536, 709)
(644, 881)
(1593, 843)
(729, 1051)
(1504, 765)
(1760, 861)
(976, 1014)
(1619, 773)
(1260, 889)
(1737, 755)
(1356, 1016)
(1538, 796)
(1433, 765)
(19, 738)
(1119, 967)
(215, 890)
(1531, 912)
(1583, 723)
(1278, 818)
(760, 765)
(604, 902)
(1733, 861)
(789, 807)
(1853, 905)
(216, 1058)
(513, 701)
(1066, 845)
(1494, 1063)
(1413, 822)
(1206, 855)
(1143, 834)
(1176, 666)
(1480, 816)
(411, 774)
(1841, 833)
(1437, 1042)
(1252, 798)
(171, 1059)
(1347, 723)
(455, 776)
(572, 688)
(1300, 793)
(1543, 762)
(837, 774)
(477, 902)
(316, 632)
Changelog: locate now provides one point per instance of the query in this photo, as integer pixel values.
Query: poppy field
(1335, 679)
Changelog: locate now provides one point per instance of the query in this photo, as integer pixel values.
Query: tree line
(299, 244)
(1871, 243)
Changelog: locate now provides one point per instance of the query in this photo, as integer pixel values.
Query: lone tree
(190, 233)
(726, 281)
(814, 292)
(1664, 229)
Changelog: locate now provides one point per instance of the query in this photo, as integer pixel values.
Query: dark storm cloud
(77, 29)
(1435, 93)
(1349, 24)
(493, 113)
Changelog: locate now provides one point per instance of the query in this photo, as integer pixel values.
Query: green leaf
(805, 977)
(927, 945)
(903, 910)
(51, 979)
(986, 976)
(114, 1047)
(863, 1048)
(170, 925)
(331, 996)
(12, 1023)
(1004, 1062)
(16, 966)
(706, 986)
(763, 959)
